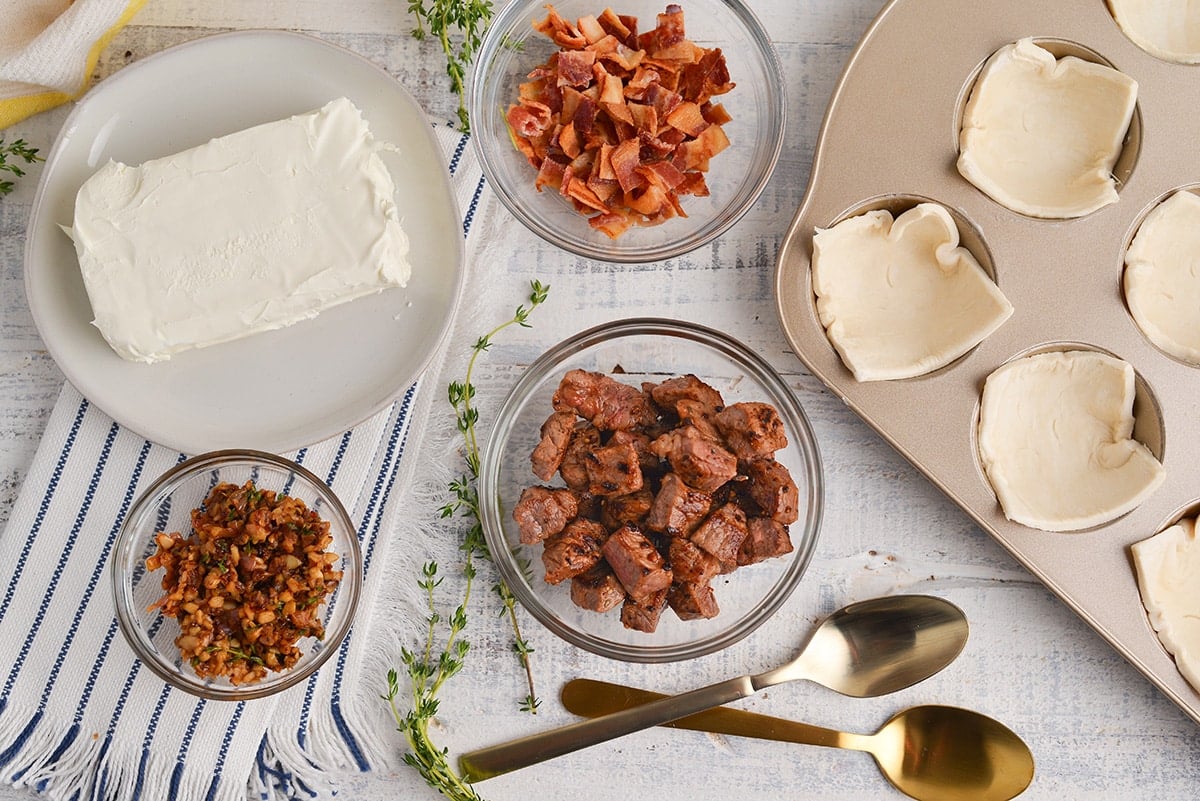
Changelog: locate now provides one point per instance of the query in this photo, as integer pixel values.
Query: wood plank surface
(1098, 730)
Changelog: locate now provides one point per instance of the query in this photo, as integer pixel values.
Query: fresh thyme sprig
(458, 25)
(428, 670)
(19, 149)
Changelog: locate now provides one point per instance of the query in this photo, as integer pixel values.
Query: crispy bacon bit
(632, 113)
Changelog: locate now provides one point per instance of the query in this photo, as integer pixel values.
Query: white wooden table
(1097, 729)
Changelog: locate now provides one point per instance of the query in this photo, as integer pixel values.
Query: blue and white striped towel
(80, 717)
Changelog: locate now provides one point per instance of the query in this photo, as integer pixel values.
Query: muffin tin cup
(1063, 277)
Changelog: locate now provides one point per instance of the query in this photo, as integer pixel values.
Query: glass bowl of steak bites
(651, 491)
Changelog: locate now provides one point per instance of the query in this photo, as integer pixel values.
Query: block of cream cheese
(246, 233)
(899, 298)
(1168, 569)
(1041, 135)
(1169, 29)
(1056, 441)
(1162, 276)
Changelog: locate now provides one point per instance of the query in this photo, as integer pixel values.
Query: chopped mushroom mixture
(248, 583)
(622, 124)
(666, 488)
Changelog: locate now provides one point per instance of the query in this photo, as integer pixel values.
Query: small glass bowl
(512, 48)
(166, 507)
(631, 351)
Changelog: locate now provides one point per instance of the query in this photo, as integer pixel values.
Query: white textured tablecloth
(81, 717)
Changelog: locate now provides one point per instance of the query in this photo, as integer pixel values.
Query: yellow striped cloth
(49, 49)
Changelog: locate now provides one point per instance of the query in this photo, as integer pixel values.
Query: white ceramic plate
(283, 389)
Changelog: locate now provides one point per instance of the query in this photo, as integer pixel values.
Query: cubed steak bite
(765, 539)
(691, 563)
(573, 467)
(597, 589)
(636, 562)
(613, 470)
(643, 615)
(641, 445)
(702, 463)
(669, 393)
(543, 512)
(752, 429)
(556, 436)
(692, 601)
(607, 403)
(617, 510)
(576, 549)
(772, 489)
(677, 508)
(722, 532)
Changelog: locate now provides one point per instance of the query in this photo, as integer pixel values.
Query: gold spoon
(866, 649)
(932, 753)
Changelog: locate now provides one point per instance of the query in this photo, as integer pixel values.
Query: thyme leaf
(9, 154)
(458, 26)
(429, 668)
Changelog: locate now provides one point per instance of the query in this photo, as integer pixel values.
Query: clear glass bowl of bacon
(628, 134)
(651, 491)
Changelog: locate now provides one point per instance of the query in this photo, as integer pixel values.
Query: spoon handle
(497, 759)
(592, 698)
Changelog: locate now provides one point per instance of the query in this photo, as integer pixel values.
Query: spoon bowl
(931, 753)
(866, 649)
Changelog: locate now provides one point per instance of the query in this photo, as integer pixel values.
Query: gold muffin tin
(890, 140)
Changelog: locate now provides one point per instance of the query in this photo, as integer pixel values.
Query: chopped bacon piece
(615, 25)
(626, 158)
(688, 118)
(529, 119)
(645, 118)
(568, 140)
(591, 29)
(575, 67)
(631, 113)
(716, 114)
(611, 225)
(695, 152)
(562, 32)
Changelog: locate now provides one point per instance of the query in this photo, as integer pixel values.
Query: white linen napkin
(49, 48)
(80, 717)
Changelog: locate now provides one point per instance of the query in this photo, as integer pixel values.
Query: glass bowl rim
(496, 37)
(135, 634)
(802, 437)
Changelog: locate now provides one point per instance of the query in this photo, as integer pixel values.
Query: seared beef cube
(670, 392)
(751, 429)
(618, 510)
(589, 506)
(771, 487)
(608, 404)
(765, 539)
(613, 470)
(641, 444)
(597, 589)
(573, 469)
(636, 562)
(701, 462)
(543, 512)
(576, 549)
(642, 615)
(700, 417)
(556, 436)
(677, 508)
(692, 601)
(690, 562)
(722, 532)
